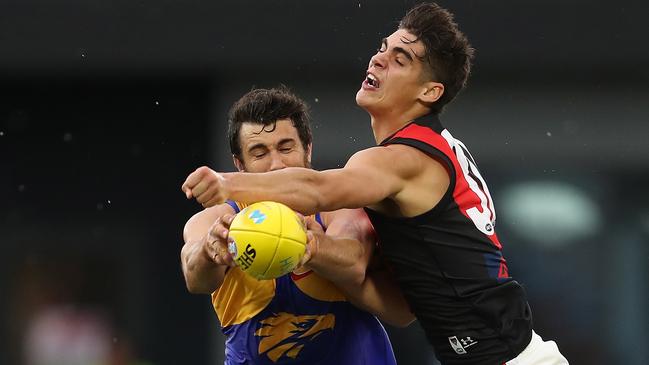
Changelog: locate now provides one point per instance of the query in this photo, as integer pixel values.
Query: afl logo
(489, 227)
(257, 216)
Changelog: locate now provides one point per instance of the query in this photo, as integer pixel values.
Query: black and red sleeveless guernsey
(448, 261)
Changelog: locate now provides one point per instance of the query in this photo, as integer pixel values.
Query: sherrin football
(269, 240)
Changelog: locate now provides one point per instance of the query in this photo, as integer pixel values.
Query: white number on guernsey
(486, 219)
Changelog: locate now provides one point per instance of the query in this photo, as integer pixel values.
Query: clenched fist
(206, 186)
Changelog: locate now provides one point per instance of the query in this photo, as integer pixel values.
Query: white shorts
(539, 352)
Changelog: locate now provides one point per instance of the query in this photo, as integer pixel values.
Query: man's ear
(431, 92)
(238, 164)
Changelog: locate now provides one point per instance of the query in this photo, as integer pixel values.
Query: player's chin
(364, 99)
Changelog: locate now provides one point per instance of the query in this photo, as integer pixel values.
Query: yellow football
(269, 240)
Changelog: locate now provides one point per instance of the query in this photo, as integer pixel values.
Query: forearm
(202, 275)
(301, 189)
(379, 295)
(339, 260)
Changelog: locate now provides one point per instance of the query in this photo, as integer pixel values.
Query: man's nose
(276, 162)
(378, 60)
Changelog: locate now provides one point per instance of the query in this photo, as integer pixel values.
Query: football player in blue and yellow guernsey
(307, 316)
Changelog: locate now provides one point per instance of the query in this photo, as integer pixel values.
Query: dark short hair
(265, 107)
(448, 52)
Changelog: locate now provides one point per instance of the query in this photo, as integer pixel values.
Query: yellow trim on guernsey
(241, 297)
(319, 288)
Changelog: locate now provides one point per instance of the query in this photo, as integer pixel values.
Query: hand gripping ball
(269, 240)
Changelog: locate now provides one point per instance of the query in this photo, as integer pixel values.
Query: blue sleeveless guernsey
(295, 319)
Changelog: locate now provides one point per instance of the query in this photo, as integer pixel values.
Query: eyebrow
(404, 52)
(285, 141)
(261, 145)
(397, 49)
(257, 146)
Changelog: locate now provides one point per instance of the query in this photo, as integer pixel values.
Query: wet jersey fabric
(295, 319)
(449, 263)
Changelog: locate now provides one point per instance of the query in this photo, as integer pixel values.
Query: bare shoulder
(204, 219)
(425, 186)
(401, 160)
(421, 180)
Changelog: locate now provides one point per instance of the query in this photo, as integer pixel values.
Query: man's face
(394, 74)
(272, 147)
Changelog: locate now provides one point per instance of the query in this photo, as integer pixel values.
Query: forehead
(253, 133)
(406, 40)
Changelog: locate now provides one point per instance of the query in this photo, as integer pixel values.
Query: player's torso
(460, 218)
(448, 260)
(295, 319)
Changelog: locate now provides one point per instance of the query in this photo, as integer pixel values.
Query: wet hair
(448, 54)
(265, 107)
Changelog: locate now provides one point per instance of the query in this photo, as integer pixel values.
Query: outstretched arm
(369, 177)
(204, 256)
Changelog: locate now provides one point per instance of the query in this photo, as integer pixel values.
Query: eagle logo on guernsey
(286, 334)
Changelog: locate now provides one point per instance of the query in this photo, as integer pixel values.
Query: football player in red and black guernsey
(425, 196)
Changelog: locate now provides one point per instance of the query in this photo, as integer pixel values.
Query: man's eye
(285, 150)
(259, 155)
(399, 62)
(381, 49)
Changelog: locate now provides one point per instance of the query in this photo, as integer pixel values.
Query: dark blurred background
(106, 106)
